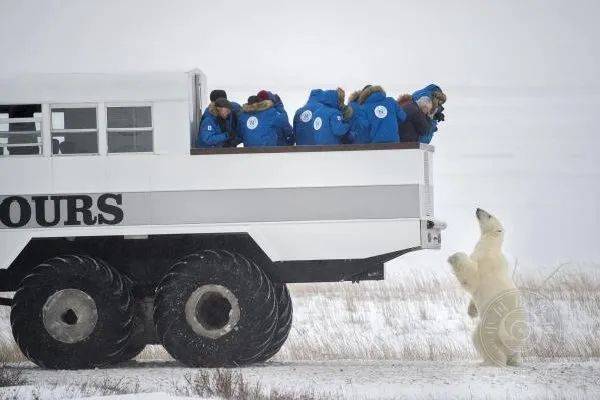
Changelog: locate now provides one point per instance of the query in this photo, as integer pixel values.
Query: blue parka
(428, 92)
(261, 124)
(383, 113)
(210, 133)
(329, 126)
(286, 137)
(359, 125)
(303, 119)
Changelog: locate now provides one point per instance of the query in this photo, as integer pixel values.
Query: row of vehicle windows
(74, 129)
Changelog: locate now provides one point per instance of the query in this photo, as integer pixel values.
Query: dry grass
(229, 385)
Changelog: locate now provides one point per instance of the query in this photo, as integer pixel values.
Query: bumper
(431, 234)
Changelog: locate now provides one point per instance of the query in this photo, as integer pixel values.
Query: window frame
(98, 130)
(37, 120)
(145, 129)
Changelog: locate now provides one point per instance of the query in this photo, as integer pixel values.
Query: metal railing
(5, 135)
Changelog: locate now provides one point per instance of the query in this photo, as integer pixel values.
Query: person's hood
(371, 94)
(426, 91)
(333, 98)
(354, 96)
(315, 95)
(257, 107)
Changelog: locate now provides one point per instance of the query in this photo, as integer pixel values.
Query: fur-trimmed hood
(213, 109)
(354, 96)
(365, 94)
(341, 97)
(257, 107)
(405, 99)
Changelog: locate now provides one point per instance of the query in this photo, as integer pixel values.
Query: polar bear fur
(484, 274)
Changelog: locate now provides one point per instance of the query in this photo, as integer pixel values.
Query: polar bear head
(488, 223)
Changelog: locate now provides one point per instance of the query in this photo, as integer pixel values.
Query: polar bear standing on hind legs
(502, 326)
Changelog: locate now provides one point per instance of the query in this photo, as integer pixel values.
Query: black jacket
(416, 124)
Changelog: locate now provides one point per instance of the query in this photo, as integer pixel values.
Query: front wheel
(215, 309)
(72, 312)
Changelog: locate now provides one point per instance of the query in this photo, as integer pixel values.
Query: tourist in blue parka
(331, 119)
(359, 125)
(286, 137)
(261, 124)
(218, 125)
(303, 119)
(219, 130)
(383, 113)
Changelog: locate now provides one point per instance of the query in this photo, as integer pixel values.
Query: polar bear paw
(458, 261)
(465, 270)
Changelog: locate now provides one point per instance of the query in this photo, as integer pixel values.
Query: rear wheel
(72, 312)
(284, 322)
(215, 309)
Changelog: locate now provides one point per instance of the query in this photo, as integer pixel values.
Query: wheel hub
(70, 315)
(212, 311)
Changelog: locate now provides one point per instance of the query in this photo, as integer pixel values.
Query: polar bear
(502, 329)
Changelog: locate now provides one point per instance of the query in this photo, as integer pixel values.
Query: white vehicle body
(296, 205)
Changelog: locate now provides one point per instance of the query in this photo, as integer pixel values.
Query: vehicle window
(129, 129)
(74, 130)
(20, 129)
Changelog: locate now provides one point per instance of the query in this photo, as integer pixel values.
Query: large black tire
(136, 342)
(284, 322)
(72, 312)
(215, 309)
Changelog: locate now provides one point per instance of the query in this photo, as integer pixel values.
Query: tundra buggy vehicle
(115, 232)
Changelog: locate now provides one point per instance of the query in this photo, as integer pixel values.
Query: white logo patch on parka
(380, 111)
(318, 123)
(306, 116)
(252, 123)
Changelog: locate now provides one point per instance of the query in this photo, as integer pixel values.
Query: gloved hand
(439, 114)
(347, 113)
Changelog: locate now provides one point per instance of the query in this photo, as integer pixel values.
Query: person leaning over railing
(332, 119)
(383, 114)
(219, 123)
(304, 119)
(417, 124)
(261, 124)
(286, 135)
(437, 97)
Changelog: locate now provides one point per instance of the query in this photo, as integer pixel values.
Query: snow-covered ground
(408, 337)
(348, 379)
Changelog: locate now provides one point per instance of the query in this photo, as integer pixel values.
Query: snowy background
(520, 140)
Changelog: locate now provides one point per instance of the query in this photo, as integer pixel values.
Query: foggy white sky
(311, 42)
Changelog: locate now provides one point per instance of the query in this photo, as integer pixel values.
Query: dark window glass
(75, 143)
(128, 142)
(129, 129)
(74, 118)
(74, 130)
(129, 117)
